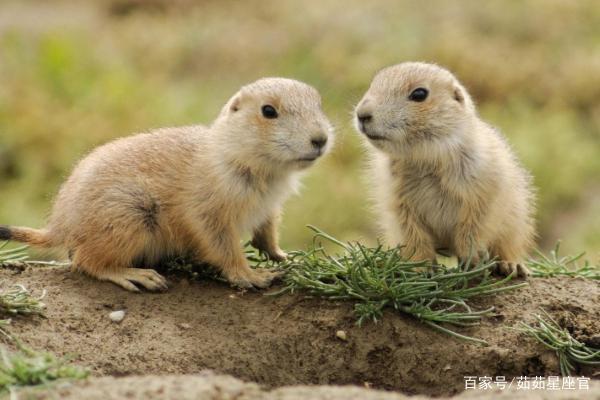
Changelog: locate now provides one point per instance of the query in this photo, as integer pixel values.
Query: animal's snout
(364, 117)
(364, 113)
(318, 142)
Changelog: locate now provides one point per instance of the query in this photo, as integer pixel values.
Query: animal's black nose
(319, 141)
(363, 118)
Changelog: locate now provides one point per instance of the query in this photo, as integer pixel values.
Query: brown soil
(290, 340)
(218, 387)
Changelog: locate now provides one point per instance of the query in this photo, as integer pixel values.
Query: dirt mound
(220, 387)
(291, 340)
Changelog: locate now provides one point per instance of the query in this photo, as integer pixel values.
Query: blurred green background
(76, 74)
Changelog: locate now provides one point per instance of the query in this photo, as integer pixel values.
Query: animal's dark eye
(269, 112)
(419, 94)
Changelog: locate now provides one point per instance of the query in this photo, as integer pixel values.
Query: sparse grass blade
(12, 256)
(569, 350)
(18, 300)
(18, 258)
(378, 278)
(555, 265)
(3, 324)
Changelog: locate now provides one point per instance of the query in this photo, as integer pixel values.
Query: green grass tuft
(568, 349)
(190, 270)
(26, 367)
(378, 278)
(555, 265)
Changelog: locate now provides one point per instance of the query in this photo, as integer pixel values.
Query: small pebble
(117, 316)
(341, 335)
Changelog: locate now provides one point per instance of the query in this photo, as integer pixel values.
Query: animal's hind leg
(116, 270)
(125, 230)
(126, 277)
(109, 256)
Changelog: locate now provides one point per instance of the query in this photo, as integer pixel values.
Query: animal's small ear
(234, 105)
(459, 95)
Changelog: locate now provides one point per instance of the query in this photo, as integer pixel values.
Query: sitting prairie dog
(189, 190)
(444, 178)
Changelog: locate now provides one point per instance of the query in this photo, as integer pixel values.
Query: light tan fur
(190, 190)
(444, 179)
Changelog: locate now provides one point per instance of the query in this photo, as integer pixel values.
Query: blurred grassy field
(74, 75)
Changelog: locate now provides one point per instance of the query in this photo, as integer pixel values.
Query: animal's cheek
(435, 108)
(263, 126)
(285, 138)
(273, 131)
(395, 118)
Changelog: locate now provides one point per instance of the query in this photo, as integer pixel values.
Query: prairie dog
(189, 190)
(444, 178)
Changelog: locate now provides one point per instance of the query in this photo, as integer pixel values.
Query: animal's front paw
(278, 255)
(508, 267)
(259, 278)
(275, 254)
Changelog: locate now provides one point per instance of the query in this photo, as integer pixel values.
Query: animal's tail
(34, 237)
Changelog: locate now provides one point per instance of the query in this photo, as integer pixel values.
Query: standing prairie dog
(190, 190)
(444, 178)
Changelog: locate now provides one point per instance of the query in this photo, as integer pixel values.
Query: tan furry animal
(190, 190)
(444, 178)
